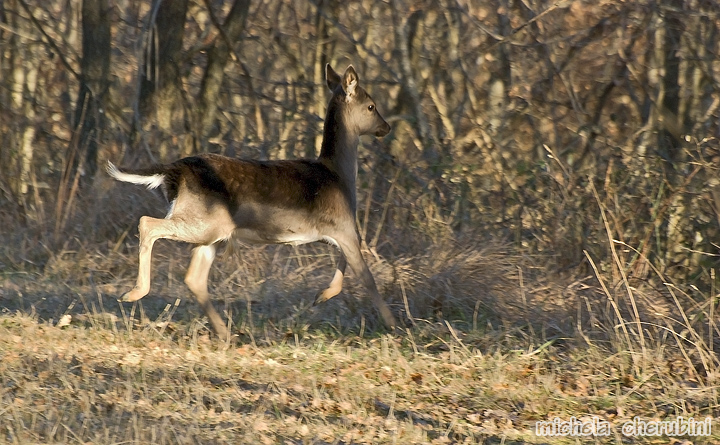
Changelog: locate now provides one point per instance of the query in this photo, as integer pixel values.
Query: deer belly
(265, 236)
(266, 224)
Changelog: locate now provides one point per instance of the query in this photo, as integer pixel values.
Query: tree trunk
(410, 91)
(502, 74)
(671, 131)
(28, 137)
(218, 57)
(161, 94)
(322, 37)
(672, 123)
(89, 118)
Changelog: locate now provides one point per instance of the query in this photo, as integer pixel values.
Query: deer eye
(371, 108)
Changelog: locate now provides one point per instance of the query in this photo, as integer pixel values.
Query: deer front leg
(350, 245)
(335, 285)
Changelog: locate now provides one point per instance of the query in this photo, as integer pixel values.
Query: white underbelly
(252, 236)
(295, 239)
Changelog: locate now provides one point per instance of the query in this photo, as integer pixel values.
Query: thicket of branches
(555, 126)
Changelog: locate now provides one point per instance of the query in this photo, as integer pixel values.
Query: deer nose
(383, 130)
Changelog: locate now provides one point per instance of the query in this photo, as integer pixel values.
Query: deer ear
(349, 82)
(333, 78)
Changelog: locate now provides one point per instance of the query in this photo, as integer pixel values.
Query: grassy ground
(490, 346)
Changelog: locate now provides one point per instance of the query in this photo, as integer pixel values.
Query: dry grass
(493, 344)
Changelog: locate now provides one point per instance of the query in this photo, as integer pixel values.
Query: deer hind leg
(197, 280)
(151, 229)
(335, 285)
(350, 245)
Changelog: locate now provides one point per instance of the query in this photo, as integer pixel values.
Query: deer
(214, 198)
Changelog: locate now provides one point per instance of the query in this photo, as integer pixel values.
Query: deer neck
(339, 150)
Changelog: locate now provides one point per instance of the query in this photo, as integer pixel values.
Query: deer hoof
(134, 295)
(324, 296)
(388, 319)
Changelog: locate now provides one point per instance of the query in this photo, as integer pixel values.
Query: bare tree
(89, 119)
(217, 59)
(672, 125)
(23, 82)
(161, 93)
(404, 27)
(94, 80)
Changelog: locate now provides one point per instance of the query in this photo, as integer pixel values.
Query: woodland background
(506, 115)
(551, 176)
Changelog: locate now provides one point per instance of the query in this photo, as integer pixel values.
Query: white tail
(151, 182)
(214, 198)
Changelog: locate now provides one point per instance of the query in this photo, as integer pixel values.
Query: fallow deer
(214, 198)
